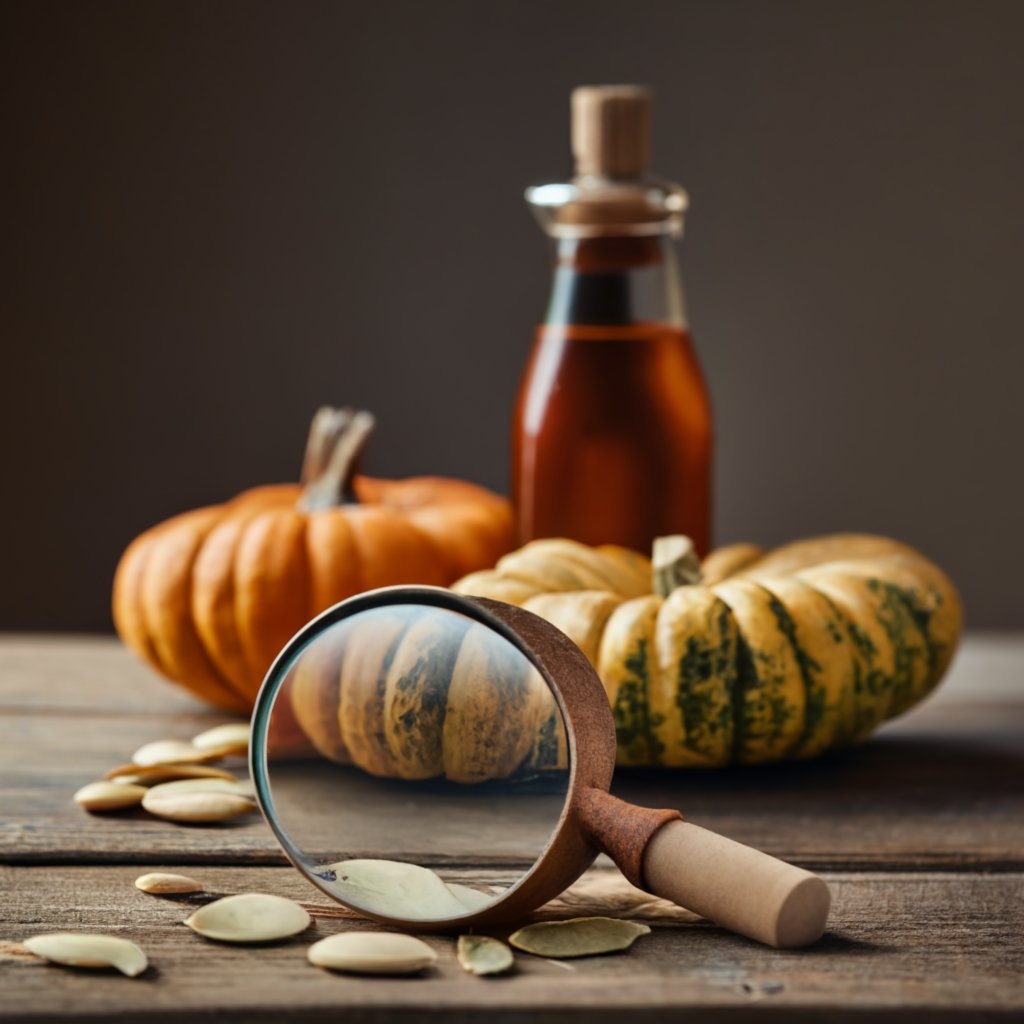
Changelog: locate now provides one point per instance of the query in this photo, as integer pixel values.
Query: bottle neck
(616, 280)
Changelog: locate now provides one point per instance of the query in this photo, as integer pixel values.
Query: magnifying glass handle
(736, 886)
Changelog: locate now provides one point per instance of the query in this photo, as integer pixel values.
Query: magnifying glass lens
(414, 761)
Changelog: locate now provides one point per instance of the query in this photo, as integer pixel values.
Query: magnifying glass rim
(479, 610)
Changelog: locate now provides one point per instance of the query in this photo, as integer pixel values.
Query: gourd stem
(337, 438)
(674, 563)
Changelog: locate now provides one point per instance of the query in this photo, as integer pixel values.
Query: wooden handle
(735, 886)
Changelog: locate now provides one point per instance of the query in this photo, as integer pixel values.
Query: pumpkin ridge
(128, 610)
(634, 721)
(905, 652)
(361, 714)
(746, 678)
(272, 581)
(190, 664)
(814, 697)
(702, 663)
(774, 705)
(840, 631)
(872, 682)
(416, 694)
(216, 622)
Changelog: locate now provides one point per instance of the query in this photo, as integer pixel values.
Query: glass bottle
(612, 432)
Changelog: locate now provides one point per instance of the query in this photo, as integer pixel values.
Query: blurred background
(219, 216)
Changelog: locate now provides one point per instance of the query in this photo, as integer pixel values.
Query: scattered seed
(81, 949)
(224, 740)
(580, 936)
(203, 805)
(372, 953)
(480, 954)
(109, 796)
(163, 752)
(249, 917)
(163, 883)
(157, 773)
(398, 889)
(238, 787)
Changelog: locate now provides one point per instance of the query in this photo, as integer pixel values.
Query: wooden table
(920, 833)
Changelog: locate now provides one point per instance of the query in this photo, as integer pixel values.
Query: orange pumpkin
(209, 597)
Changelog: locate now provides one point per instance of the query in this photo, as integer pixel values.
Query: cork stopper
(611, 130)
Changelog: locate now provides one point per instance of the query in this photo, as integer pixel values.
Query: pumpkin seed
(471, 899)
(81, 949)
(249, 917)
(109, 796)
(239, 787)
(224, 740)
(157, 773)
(198, 800)
(480, 954)
(580, 936)
(162, 752)
(398, 889)
(163, 883)
(372, 953)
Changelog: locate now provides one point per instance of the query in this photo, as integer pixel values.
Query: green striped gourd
(754, 656)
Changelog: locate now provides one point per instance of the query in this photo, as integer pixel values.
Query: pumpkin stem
(337, 438)
(674, 563)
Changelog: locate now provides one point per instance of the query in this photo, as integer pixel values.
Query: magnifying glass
(440, 762)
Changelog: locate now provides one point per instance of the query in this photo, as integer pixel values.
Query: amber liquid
(612, 433)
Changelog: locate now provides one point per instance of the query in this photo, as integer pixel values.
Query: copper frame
(591, 821)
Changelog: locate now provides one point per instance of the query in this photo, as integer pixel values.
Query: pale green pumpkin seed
(239, 787)
(170, 752)
(249, 917)
(164, 883)
(109, 796)
(157, 773)
(580, 936)
(224, 740)
(199, 800)
(470, 898)
(82, 949)
(372, 953)
(397, 889)
(480, 954)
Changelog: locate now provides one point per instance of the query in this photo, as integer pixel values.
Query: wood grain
(921, 831)
(942, 788)
(932, 947)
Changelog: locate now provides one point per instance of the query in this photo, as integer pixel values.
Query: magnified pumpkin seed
(399, 889)
(372, 953)
(81, 949)
(580, 936)
(164, 883)
(471, 899)
(223, 740)
(198, 800)
(109, 796)
(157, 773)
(249, 917)
(480, 954)
(170, 752)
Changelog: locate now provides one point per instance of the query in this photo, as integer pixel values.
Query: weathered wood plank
(97, 674)
(942, 788)
(917, 947)
(83, 674)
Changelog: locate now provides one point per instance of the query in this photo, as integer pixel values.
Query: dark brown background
(219, 215)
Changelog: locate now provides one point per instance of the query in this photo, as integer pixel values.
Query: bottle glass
(612, 432)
